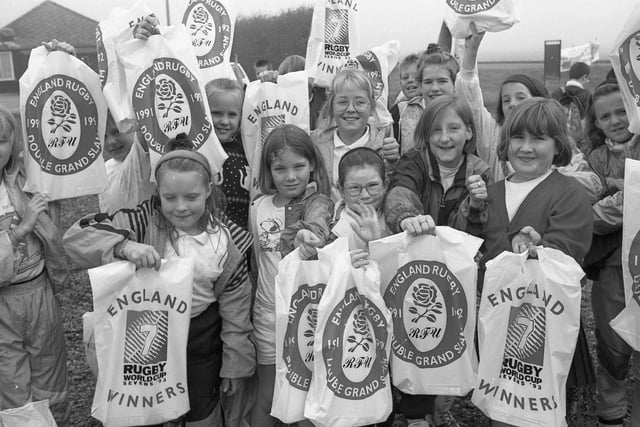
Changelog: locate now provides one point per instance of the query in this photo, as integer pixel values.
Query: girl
(294, 211)
(182, 219)
(612, 143)
(32, 274)
(225, 102)
(345, 119)
(526, 209)
(427, 188)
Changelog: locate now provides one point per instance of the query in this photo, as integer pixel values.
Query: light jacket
(45, 230)
(90, 242)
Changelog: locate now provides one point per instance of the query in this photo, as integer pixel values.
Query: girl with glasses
(345, 124)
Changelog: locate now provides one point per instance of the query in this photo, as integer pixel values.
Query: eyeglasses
(360, 105)
(354, 190)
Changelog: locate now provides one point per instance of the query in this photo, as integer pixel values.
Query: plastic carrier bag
(429, 284)
(299, 287)
(627, 323)
(89, 342)
(334, 39)
(378, 63)
(33, 414)
(489, 15)
(350, 384)
(141, 322)
(268, 105)
(167, 95)
(528, 327)
(63, 121)
(211, 25)
(626, 65)
(116, 29)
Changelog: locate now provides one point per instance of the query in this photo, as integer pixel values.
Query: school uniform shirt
(235, 182)
(267, 228)
(31, 262)
(516, 192)
(209, 252)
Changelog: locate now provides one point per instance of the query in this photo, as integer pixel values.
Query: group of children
(508, 180)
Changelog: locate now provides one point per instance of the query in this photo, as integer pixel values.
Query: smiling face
(226, 110)
(611, 117)
(409, 81)
(117, 144)
(436, 81)
(290, 173)
(368, 181)
(183, 197)
(447, 138)
(351, 111)
(512, 95)
(530, 156)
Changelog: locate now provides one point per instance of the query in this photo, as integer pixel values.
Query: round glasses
(354, 190)
(360, 105)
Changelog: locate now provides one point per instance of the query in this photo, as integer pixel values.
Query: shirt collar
(575, 83)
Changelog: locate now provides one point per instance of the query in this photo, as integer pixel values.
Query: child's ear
(469, 132)
(209, 189)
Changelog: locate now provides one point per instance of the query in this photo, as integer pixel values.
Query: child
(526, 209)
(427, 189)
(410, 106)
(612, 143)
(128, 170)
(184, 220)
(294, 211)
(225, 101)
(345, 117)
(32, 274)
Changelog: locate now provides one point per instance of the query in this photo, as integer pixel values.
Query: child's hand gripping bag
(429, 284)
(488, 15)
(116, 29)
(350, 384)
(268, 105)
(141, 322)
(167, 94)
(627, 323)
(63, 121)
(378, 63)
(299, 287)
(333, 40)
(625, 59)
(528, 327)
(211, 25)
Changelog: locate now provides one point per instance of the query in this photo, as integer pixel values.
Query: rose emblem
(360, 327)
(166, 91)
(312, 318)
(424, 296)
(200, 15)
(61, 108)
(201, 22)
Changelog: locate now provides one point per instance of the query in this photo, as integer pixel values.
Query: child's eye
(168, 197)
(443, 81)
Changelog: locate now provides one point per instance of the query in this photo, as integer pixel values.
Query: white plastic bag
(528, 327)
(89, 342)
(117, 29)
(627, 323)
(63, 120)
(299, 287)
(33, 414)
(268, 105)
(429, 284)
(141, 323)
(626, 65)
(211, 25)
(167, 94)
(378, 63)
(334, 39)
(489, 15)
(350, 384)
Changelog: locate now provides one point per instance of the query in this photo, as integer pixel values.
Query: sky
(415, 23)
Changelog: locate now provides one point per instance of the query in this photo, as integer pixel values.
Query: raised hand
(477, 190)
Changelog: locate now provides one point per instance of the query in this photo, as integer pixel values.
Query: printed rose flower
(424, 295)
(166, 90)
(312, 317)
(360, 323)
(60, 106)
(200, 15)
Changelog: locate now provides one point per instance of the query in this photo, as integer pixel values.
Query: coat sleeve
(90, 241)
(469, 219)
(9, 258)
(407, 184)
(238, 351)
(316, 217)
(607, 214)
